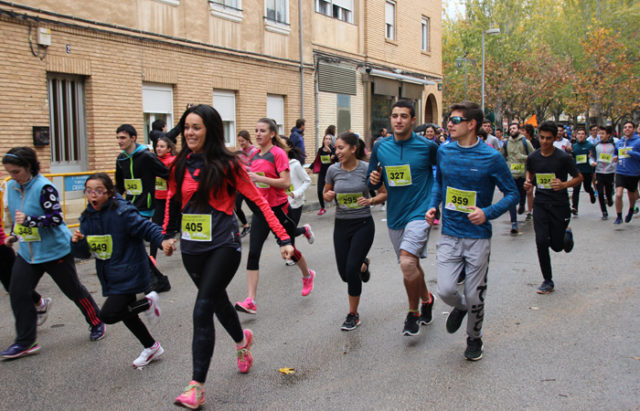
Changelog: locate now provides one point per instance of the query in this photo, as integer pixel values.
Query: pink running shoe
(245, 359)
(307, 283)
(247, 306)
(192, 397)
(322, 211)
(309, 234)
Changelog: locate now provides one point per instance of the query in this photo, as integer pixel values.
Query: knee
(109, 317)
(446, 291)
(409, 267)
(203, 310)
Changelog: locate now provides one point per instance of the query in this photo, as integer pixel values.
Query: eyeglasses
(457, 119)
(97, 192)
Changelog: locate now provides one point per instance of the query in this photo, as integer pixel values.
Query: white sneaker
(43, 311)
(148, 354)
(309, 234)
(289, 262)
(153, 312)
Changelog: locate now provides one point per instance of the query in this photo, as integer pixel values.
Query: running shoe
(18, 350)
(365, 275)
(592, 197)
(574, 211)
(514, 228)
(462, 277)
(474, 349)
(521, 209)
(618, 220)
(192, 397)
(308, 234)
(43, 311)
(411, 324)
(247, 306)
(153, 312)
(97, 332)
(454, 320)
(148, 354)
(529, 217)
(245, 359)
(605, 216)
(629, 216)
(289, 262)
(545, 288)
(426, 311)
(351, 323)
(568, 241)
(307, 283)
(245, 230)
(635, 210)
(322, 211)
(436, 221)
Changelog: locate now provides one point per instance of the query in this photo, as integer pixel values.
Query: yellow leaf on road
(287, 371)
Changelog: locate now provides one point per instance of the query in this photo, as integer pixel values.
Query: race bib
(196, 227)
(101, 246)
(325, 159)
(290, 188)
(161, 184)
(399, 176)
(517, 167)
(622, 153)
(460, 200)
(261, 185)
(581, 159)
(605, 158)
(26, 234)
(133, 186)
(349, 200)
(544, 180)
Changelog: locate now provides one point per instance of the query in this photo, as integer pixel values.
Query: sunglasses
(457, 119)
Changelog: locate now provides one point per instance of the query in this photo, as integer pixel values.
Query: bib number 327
(398, 176)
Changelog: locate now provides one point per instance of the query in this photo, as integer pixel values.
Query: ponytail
(275, 140)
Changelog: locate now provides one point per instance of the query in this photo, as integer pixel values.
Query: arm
(328, 194)
(79, 246)
(380, 198)
(52, 211)
(503, 179)
(280, 182)
(174, 133)
(119, 180)
(157, 167)
(140, 227)
(374, 174)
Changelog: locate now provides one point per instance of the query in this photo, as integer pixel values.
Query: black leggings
(238, 209)
(586, 183)
(295, 214)
(7, 257)
(24, 279)
(211, 272)
(125, 308)
(523, 197)
(550, 223)
(321, 177)
(260, 231)
(352, 241)
(604, 185)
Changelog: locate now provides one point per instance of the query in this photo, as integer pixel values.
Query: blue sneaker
(97, 332)
(18, 350)
(629, 216)
(545, 288)
(618, 221)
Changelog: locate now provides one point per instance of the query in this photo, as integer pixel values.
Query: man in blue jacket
(627, 170)
(297, 138)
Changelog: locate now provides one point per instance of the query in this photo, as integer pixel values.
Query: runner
(581, 150)
(404, 163)
(515, 150)
(354, 229)
(246, 157)
(491, 139)
(468, 172)
(627, 170)
(604, 157)
(112, 231)
(594, 134)
(166, 152)
(548, 168)
(325, 157)
(561, 142)
(270, 173)
(34, 206)
(204, 179)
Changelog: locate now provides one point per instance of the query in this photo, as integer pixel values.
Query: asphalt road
(576, 348)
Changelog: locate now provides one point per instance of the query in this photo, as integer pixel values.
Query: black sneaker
(592, 197)
(162, 285)
(545, 288)
(426, 311)
(412, 324)
(605, 216)
(352, 321)
(568, 241)
(474, 349)
(629, 216)
(97, 332)
(454, 320)
(521, 209)
(365, 275)
(574, 211)
(245, 230)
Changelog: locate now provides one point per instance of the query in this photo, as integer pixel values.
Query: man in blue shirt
(627, 170)
(468, 172)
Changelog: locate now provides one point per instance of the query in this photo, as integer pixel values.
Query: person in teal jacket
(44, 247)
(581, 151)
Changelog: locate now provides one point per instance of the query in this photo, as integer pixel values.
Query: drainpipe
(301, 59)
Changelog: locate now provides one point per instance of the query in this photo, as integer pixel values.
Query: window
(232, 4)
(275, 110)
(425, 33)
(390, 20)
(344, 113)
(157, 104)
(227, 9)
(67, 122)
(278, 11)
(339, 9)
(225, 103)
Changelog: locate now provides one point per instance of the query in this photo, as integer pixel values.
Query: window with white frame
(227, 9)
(339, 9)
(225, 104)
(232, 4)
(390, 20)
(425, 33)
(275, 110)
(157, 104)
(277, 10)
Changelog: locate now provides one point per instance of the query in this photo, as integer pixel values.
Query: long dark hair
(293, 151)
(354, 141)
(170, 144)
(219, 161)
(273, 127)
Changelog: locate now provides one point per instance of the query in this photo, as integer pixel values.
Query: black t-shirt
(558, 165)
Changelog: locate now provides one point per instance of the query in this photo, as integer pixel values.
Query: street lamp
(489, 32)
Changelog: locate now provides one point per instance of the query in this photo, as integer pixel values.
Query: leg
(476, 255)
(575, 197)
(238, 210)
(523, 194)
(541, 226)
(320, 187)
(608, 185)
(257, 237)
(358, 248)
(116, 308)
(449, 265)
(295, 214)
(158, 218)
(24, 279)
(600, 187)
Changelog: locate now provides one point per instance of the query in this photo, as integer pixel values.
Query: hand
(363, 202)
(254, 177)
(527, 185)
(329, 195)
(430, 216)
(286, 251)
(557, 184)
(20, 217)
(593, 164)
(168, 246)
(290, 194)
(77, 236)
(374, 177)
(615, 159)
(477, 216)
(10, 240)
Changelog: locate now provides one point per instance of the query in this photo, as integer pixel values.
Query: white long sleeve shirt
(300, 181)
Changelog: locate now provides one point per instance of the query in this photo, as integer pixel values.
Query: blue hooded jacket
(629, 166)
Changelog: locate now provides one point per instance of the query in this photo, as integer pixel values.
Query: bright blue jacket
(478, 168)
(629, 166)
(127, 271)
(54, 241)
(405, 203)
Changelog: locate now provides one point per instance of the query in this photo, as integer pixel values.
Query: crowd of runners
(196, 194)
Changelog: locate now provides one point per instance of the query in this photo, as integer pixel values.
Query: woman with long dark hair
(325, 157)
(204, 180)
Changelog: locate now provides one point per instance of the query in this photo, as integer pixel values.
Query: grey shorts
(412, 239)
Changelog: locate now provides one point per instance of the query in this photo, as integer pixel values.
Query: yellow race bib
(460, 200)
(196, 227)
(161, 184)
(605, 158)
(261, 185)
(581, 159)
(544, 180)
(101, 246)
(517, 167)
(349, 200)
(325, 159)
(26, 234)
(133, 186)
(398, 176)
(622, 153)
